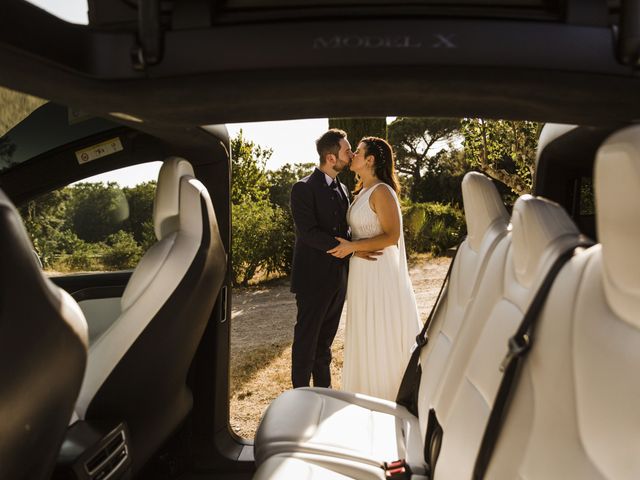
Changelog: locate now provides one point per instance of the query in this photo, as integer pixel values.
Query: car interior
(527, 369)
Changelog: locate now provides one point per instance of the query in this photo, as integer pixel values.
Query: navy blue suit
(318, 279)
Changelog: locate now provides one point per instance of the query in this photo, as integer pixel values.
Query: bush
(432, 227)
(280, 257)
(123, 252)
(262, 238)
(86, 257)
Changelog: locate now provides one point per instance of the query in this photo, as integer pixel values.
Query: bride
(382, 316)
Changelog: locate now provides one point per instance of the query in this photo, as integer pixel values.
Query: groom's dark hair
(329, 142)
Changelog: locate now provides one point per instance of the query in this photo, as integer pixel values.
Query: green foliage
(414, 140)
(443, 185)
(432, 227)
(262, 226)
(148, 235)
(280, 256)
(86, 257)
(249, 182)
(45, 220)
(503, 149)
(97, 210)
(123, 253)
(262, 239)
(140, 199)
(281, 181)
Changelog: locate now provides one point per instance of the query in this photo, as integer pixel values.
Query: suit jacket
(319, 216)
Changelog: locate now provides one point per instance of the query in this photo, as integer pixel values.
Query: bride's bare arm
(384, 204)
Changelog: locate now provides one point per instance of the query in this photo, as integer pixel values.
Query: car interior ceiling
(554, 61)
(199, 73)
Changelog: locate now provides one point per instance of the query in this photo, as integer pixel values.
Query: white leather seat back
(575, 412)
(137, 370)
(178, 226)
(487, 222)
(541, 231)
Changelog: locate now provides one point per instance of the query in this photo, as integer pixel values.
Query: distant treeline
(91, 226)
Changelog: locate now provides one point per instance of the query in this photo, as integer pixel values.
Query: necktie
(336, 186)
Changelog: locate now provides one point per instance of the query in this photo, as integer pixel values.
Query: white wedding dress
(382, 315)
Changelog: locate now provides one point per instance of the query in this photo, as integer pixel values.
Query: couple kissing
(353, 249)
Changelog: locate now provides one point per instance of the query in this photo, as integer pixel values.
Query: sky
(292, 141)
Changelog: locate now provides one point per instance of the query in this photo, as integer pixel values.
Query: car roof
(198, 63)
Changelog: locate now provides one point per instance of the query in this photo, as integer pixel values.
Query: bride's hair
(384, 162)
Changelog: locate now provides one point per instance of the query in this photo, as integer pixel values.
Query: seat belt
(519, 345)
(408, 391)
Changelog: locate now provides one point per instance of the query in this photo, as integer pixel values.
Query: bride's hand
(343, 249)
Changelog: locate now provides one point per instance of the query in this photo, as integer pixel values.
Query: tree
(97, 210)
(124, 252)
(140, 199)
(252, 238)
(356, 129)
(281, 181)
(504, 150)
(45, 219)
(442, 184)
(249, 182)
(413, 141)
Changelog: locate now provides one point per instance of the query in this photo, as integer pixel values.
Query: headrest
(166, 205)
(537, 223)
(549, 133)
(482, 207)
(617, 191)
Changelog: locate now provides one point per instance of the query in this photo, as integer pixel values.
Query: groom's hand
(371, 256)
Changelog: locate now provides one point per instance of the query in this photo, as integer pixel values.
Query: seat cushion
(301, 466)
(304, 468)
(341, 424)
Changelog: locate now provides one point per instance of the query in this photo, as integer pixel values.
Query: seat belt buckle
(397, 470)
(517, 346)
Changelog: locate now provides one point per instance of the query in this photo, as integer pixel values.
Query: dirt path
(262, 331)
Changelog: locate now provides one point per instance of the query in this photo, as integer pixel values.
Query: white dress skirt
(382, 315)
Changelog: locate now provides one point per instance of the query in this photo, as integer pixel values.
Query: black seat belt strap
(519, 345)
(407, 393)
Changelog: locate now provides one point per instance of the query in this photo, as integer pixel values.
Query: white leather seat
(487, 226)
(312, 466)
(371, 430)
(137, 369)
(575, 412)
(541, 231)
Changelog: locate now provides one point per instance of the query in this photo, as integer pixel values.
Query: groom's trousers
(316, 326)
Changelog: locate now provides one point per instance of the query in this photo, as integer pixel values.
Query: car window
(587, 202)
(101, 223)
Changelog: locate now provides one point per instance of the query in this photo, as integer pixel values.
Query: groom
(319, 206)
